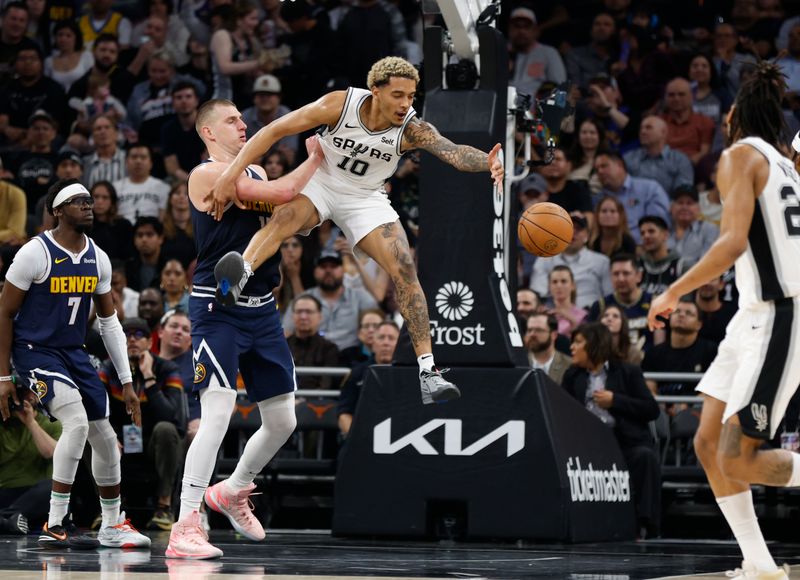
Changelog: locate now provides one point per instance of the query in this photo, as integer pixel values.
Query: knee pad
(105, 453)
(278, 415)
(67, 407)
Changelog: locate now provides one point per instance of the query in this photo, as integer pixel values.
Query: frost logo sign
(454, 302)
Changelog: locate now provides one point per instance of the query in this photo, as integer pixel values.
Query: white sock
(794, 478)
(59, 506)
(277, 424)
(248, 268)
(425, 362)
(216, 406)
(110, 511)
(740, 514)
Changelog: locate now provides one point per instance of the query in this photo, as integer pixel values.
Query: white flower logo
(454, 300)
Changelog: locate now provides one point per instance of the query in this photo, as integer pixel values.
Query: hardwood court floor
(317, 555)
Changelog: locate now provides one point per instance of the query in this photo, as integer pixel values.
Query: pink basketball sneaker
(237, 507)
(189, 540)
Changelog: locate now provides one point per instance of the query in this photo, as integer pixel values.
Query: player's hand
(222, 192)
(662, 306)
(314, 147)
(132, 405)
(496, 166)
(7, 390)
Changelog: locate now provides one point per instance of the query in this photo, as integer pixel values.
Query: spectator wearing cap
(640, 196)
(159, 386)
(14, 25)
(589, 269)
(309, 348)
(585, 62)
(34, 165)
(181, 146)
(656, 160)
(661, 265)
(340, 305)
(531, 189)
(30, 91)
(688, 132)
(266, 108)
(69, 164)
(691, 236)
(107, 163)
(533, 62)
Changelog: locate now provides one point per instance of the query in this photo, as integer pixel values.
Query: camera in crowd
(542, 119)
(21, 392)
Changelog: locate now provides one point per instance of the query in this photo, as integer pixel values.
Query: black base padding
(515, 457)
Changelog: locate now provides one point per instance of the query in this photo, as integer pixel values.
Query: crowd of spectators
(108, 93)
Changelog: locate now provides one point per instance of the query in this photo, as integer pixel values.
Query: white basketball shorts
(356, 212)
(757, 369)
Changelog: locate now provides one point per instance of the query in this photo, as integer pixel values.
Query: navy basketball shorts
(242, 338)
(39, 367)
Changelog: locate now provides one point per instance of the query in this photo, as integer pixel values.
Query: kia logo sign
(454, 300)
(382, 444)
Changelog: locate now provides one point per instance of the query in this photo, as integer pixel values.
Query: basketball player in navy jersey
(365, 134)
(44, 310)
(748, 386)
(246, 336)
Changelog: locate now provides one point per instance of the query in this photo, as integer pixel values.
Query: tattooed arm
(421, 135)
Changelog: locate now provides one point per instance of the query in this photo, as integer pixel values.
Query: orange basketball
(545, 229)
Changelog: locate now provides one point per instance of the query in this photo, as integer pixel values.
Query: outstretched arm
(324, 111)
(742, 172)
(422, 135)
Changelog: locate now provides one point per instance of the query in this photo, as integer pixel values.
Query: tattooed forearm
(422, 135)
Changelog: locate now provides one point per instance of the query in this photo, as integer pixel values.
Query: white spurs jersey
(355, 157)
(770, 267)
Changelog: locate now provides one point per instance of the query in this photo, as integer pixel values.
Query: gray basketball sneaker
(435, 388)
(231, 276)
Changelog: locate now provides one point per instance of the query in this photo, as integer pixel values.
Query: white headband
(68, 193)
(796, 143)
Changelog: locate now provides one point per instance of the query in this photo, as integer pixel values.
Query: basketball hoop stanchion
(515, 456)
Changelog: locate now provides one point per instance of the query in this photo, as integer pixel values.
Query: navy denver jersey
(213, 239)
(56, 308)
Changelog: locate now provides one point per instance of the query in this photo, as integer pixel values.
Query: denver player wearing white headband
(44, 310)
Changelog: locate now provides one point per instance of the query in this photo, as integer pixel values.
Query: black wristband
(148, 379)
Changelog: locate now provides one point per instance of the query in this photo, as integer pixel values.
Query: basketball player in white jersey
(365, 134)
(757, 370)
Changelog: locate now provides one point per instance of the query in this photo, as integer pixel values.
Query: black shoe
(66, 536)
(16, 524)
(231, 277)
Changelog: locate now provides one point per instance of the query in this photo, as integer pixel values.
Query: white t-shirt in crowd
(137, 200)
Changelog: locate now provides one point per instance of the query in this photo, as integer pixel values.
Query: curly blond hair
(391, 66)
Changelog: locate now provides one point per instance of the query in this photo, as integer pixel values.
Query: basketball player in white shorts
(757, 370)
(366, 132)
